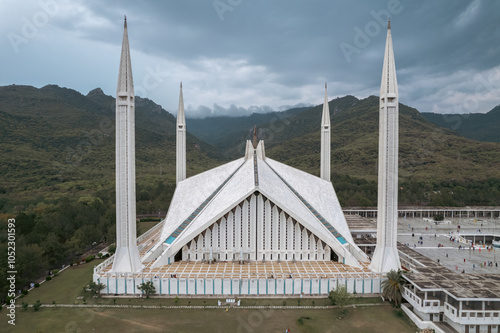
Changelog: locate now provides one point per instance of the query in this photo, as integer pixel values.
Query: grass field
(142, 227)
(66, 287)
(370, 319)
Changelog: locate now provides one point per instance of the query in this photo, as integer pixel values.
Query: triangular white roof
(201, 200)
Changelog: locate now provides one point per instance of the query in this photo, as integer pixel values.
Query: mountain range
(59, 143)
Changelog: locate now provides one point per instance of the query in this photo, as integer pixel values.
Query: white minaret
(181, 141)
(325, 140)
(386, 255)
(127, 255)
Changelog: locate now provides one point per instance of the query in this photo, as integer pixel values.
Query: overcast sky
(241, 56)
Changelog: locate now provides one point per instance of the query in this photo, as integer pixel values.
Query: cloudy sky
(240, 56)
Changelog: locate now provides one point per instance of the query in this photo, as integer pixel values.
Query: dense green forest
(476, 126)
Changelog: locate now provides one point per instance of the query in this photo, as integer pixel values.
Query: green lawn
(65, 287)
(145, 226)
(370, 319)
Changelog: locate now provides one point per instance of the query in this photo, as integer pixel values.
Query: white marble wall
(259, 230)
(208, 286)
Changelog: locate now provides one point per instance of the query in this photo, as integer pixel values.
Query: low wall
(421, 324)
(219, 286)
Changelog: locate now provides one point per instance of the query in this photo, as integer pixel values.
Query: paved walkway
(449, 255)
(197, 307)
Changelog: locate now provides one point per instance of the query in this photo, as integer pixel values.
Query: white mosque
(253, 226)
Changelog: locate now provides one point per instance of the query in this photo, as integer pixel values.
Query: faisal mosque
(253, 226)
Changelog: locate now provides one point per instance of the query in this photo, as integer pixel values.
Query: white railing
(150, 231)
(102, 265)
(423, 305)
(472, 317)
(412, 298)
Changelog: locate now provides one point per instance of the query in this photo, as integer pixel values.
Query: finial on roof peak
(125, 21)
(389, 24)
(181, 84)
(255, 136)
(325, 86)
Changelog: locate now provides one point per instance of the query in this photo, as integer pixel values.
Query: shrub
(301, 319)
(89, 258)
(99, 255)
(37, 305)
(112, 249)
(438, 217)
(37, 285)
(25, 292)
(48, 278)
(147, 288)
(55, 271)
(25, 306)
(399, 313)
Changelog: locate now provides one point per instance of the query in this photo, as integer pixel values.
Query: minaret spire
(181, 140)
(325, 140)
(386, 255)
(127, 257)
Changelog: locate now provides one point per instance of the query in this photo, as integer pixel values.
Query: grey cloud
(265, 53)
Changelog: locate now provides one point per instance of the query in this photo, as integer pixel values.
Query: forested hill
(476, 126)
(436, 165)
(222, 131)
(56, 142)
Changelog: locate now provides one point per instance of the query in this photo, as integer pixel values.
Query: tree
(96, 288)
(147, 288)
(340, 297)
(393, 286)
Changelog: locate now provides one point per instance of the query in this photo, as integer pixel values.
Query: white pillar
(244, 226)
(230, 237)
(298, 236)
(237, 229)
(253, 227)
(260, 226)
(275, 231)
(290, 230)
(223, 239)
(266, 236)
(282, 235)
